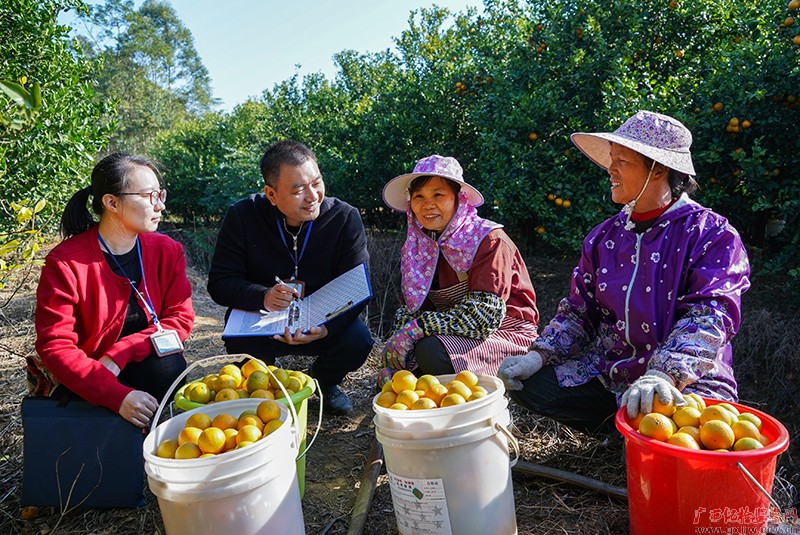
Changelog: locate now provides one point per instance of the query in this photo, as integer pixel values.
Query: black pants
(432, 357)
(336, 355)
(153, 375)
(588, 407)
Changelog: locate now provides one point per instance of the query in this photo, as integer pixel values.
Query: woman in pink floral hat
(655, 298)
(468, 298)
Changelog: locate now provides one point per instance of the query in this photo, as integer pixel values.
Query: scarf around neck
(458, 244)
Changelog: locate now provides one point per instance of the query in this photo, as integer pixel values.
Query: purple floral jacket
(667, 299)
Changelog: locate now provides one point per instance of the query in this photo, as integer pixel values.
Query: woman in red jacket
(113, 304)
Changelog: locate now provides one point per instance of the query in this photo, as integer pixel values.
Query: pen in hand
(295, 297)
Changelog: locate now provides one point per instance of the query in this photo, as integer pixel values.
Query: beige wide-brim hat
(396, 194)
(659, 137)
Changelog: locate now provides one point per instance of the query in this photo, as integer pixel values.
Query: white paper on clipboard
(338, 296)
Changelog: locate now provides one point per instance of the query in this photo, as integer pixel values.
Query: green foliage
(503, 90)
(152, 72)
(49, 131)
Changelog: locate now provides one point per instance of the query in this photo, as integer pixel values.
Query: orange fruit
(268, 410)
(166, 450)
(457, 387)
(399, 407)
(693, 432)
(198, 392)
(468, 378)
(422, 404)
(540, 230)
(250, 419)
(436, 392)
(690, 402)
(730, 408)
(476, 395)
(559, 201)
(271, 426)
(212, 440)
(253, 365)
(687, 416)
(262, 394)
(701, 403)
(407, 397)
(747, 443)
(225, 421)
(743, 428)
(210, 380)
(243, 444)
(280, 376)
(717, 106)
(764, 440)
(243, 393)
(226, 394)
(636, 421)
(656, 426)
(294, 383)
(480, 389)
(716, 434)
(661, 408)
(188, 450)
(683, 440)
(189, 434)
(232, 370)
(198, 420)
(452, 399)
(258, 380)
(715, 412)
(734, 121)
(249, 433)
(426, 381)
(230, 439)
(750, 417)
(403, 380)
(386, 399)
(226, 381)
(533, 136)
(566, 204)
(796, 40)
(551, 196)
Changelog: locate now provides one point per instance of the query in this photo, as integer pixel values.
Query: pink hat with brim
(395, 192)
(659, 137)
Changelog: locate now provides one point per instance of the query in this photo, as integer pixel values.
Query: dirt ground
(336, 460)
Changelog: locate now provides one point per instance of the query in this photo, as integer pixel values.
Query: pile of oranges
(203, 436)
(252, 380)
(406, 392)
(721, 427)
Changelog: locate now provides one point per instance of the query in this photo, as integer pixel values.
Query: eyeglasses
(155, 196)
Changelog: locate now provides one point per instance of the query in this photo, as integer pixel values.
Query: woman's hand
(517, 368)
(138, 408)
(400, 344)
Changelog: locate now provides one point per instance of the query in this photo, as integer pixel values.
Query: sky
(250, 45)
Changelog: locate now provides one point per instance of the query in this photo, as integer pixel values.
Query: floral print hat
(395, 192)
(659, 137)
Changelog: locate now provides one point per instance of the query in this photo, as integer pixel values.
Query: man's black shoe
(335, 402)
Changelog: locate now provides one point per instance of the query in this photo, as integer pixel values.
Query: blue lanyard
(295, 258)
(148, 303)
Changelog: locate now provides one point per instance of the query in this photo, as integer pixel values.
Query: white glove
(639, 396)
(514, 370)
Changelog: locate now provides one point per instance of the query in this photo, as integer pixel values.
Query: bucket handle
(215, 360)
(319, 423)
(512, 440)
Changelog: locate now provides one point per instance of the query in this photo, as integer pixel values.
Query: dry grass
(766, 353)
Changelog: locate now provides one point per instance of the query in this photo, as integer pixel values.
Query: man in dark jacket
(294, 234)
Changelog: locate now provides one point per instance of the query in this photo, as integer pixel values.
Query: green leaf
(39, 206)
(9, 247)
(15, 92)
(36, 93)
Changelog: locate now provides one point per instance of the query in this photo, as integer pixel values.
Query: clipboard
(346, 291)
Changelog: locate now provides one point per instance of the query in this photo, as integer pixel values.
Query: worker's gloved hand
(639, 396)
(400, 344)
(513, 370)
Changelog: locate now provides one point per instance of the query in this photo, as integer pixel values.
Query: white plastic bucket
(449, 468)
(253, 490)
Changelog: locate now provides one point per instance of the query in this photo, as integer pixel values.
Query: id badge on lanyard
(166, 342)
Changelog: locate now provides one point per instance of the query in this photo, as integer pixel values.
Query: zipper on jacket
(627, 306)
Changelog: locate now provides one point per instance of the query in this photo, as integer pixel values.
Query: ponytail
(76, 217)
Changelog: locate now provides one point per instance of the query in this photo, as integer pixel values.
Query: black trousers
(336, 355)
(588, 407)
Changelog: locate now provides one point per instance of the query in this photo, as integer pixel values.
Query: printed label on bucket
(420, 505)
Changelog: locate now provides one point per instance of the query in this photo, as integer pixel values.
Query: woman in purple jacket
(655, 298)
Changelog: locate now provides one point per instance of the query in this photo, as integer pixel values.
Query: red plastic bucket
(676, 490)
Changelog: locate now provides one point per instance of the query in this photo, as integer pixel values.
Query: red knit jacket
(80, 310)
